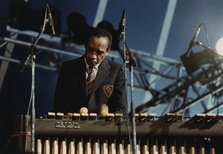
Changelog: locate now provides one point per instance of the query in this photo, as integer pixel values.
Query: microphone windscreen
(83, 110)
(104, 109)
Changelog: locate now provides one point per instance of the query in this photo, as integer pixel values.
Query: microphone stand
(132, 64)
(31, 58)
(131, 61)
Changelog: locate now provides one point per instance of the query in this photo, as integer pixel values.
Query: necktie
(90, 80)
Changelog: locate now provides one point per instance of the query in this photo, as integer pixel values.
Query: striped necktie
(90, 80)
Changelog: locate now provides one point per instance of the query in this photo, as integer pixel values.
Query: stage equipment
(195, 61)
(30, 59)
(171, 133)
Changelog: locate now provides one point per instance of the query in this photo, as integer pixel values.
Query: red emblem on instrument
(108, 89)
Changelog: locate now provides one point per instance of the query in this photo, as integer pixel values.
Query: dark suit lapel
(101, 74)
(81, 75)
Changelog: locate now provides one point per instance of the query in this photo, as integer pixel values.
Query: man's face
(96, 50)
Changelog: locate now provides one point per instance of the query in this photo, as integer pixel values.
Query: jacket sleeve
(119, 97)
(60, 92)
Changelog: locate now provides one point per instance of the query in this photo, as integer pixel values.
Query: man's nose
(93, 54)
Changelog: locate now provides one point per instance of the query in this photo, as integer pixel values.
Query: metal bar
(103, 128)
(203, 96)
(47, 37)
(19, 62)
(164, 34)
(41, 47)
(4, 65)
(143, 54)
(102, 4)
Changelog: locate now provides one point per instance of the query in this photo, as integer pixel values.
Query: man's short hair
(99, 32)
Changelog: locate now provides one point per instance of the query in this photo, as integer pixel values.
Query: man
(92, 80)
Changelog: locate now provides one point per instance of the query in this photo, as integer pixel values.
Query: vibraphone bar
(111, 134)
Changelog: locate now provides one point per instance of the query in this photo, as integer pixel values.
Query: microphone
(50, 19)
(194, 40)
(122, 25)
(104, 109)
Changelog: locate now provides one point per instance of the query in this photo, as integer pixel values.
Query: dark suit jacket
(109, 88)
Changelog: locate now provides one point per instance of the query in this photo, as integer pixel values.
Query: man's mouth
(93, 62)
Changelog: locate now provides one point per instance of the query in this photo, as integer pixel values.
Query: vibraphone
(111, 134)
